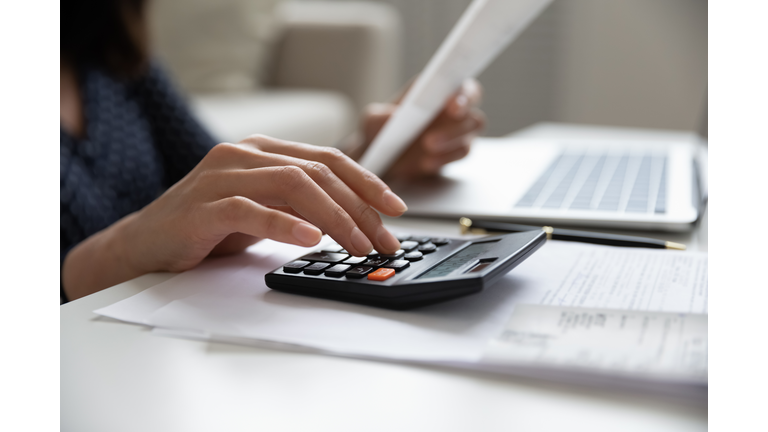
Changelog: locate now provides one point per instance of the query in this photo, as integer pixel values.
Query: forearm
(100, 261)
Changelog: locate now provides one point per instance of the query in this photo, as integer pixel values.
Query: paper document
(659, 344)
(635, 279)
(482, 32)
(228, 297)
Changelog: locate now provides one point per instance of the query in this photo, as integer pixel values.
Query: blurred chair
(295, 70)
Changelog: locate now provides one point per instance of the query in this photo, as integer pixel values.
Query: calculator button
(374, 254)
(409, 245)
(354, 260)
(395, 255)
(398, 264)
(423, 240)
(295, 267)
(334, 248)
(413, 256)
(325, 257)
(402, 237)
(338, 270)
(381, 274)
(316, 268)
(440, 241)
(427, 248)
(358, 272)
(376, 262)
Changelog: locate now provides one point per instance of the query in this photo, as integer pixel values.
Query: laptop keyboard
(602, 182)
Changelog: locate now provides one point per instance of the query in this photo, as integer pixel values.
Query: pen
(485, 227)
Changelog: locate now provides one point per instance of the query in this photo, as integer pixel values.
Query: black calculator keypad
(333, 261)
(402, 237)
(359, 272)
(338, 270)
(398, 264)
(295, 266)
(316, 268)
(328, 257)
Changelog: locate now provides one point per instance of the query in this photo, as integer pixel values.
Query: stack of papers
(582, 313)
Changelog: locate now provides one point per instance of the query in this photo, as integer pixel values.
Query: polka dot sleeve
(181, 139)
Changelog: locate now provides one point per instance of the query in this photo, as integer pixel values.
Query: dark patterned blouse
(140, 139)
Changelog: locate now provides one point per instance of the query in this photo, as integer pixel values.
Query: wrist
(100, 261)
(123, 245)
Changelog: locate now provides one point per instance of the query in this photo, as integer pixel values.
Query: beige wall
(639, 63)
(635, 63)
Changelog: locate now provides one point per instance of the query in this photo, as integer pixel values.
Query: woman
(144, 188)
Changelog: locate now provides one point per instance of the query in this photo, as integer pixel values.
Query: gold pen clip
(466, 227)
(549, 230)
(673, 245)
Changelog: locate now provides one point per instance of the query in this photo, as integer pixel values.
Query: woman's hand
(260, 188)
(446, 139)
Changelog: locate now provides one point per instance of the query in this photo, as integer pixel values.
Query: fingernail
(361, 242)
(394, 202)
(461, 103)
(387, 240)
(307, 234)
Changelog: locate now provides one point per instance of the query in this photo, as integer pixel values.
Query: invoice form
(635, 279)
(640, 343)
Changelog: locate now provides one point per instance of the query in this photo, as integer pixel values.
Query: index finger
(363, 182)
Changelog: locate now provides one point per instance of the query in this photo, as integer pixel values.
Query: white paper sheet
(637, 343)
(228, 297)
(482, 32)
(634, 279)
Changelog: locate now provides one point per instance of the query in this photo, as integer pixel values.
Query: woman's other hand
(259, 188)
(448, 138)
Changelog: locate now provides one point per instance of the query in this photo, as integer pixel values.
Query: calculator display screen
(470, 253)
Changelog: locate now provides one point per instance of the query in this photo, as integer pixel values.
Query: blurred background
(303, 69)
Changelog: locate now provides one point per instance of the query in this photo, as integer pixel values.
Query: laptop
(630, 180)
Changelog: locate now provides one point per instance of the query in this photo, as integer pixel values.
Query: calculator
(424, 271)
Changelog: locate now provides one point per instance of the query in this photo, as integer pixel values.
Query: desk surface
(117, 376)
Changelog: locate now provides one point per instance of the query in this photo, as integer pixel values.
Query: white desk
(121, 377)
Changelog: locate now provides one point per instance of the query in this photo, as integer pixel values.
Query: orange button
(381, 274)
